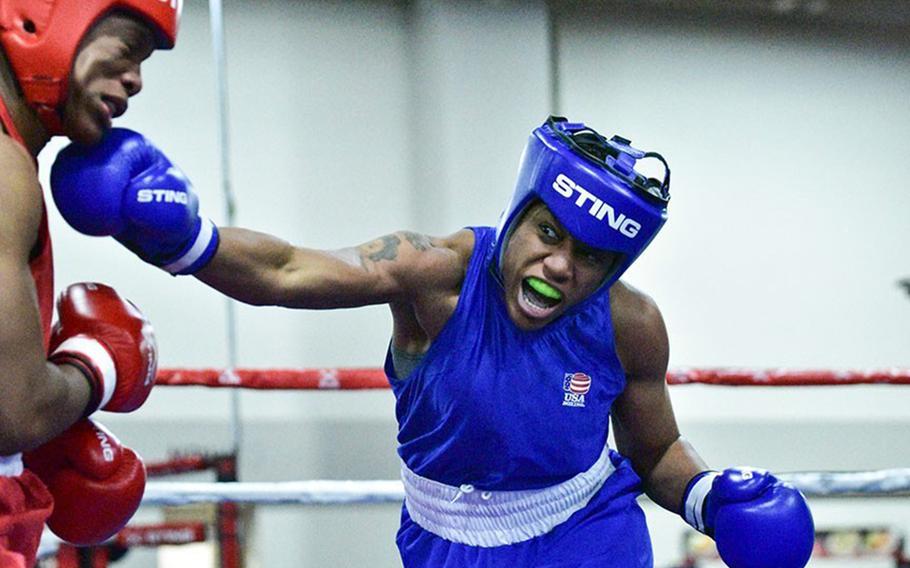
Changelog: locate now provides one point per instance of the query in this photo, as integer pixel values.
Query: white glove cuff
(693, 509)
(195, 252)
(101, 359)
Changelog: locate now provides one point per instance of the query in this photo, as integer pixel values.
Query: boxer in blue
(512, 351)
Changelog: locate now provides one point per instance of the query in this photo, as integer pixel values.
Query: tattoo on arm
(418, 241)
(385, 248)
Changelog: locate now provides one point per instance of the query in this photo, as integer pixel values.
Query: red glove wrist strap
(91, 373)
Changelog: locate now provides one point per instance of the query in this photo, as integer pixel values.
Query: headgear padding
(591, 186)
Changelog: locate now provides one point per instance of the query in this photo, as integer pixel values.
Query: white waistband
(11, 466)
(497, 518)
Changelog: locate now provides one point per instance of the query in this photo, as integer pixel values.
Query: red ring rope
(373, 378)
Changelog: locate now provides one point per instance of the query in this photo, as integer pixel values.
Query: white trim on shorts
(498, 518)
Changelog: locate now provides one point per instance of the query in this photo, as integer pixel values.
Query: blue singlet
(502, 409)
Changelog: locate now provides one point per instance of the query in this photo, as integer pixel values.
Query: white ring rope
(313, 492)
(890, 482)
(884, 483)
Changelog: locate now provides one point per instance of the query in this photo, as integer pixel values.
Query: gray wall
(787, 140)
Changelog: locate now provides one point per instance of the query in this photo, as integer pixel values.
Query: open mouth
(105, 113)
(116, 107)
(538, 298)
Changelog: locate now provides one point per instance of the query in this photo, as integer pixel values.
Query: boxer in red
(67, 67)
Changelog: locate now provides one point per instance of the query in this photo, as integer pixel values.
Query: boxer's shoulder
(20, 193)
(639, 331)
(435, 273)
(632, 308)
(16, 165)
(460, 244)
(436, 263)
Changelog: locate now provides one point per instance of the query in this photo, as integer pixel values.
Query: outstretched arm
(261, 269)
(127, 188)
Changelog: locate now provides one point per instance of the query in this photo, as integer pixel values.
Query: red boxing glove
(97, 483)
(110, 341)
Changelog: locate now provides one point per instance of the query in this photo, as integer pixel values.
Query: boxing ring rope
(371, 378)
(883, 483)
(230, 556)
(227, 493)
(216, 22)
(891, 482)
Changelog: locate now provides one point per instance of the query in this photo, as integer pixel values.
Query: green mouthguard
(544, 289)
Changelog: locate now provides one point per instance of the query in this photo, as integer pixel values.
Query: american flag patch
(577, 383)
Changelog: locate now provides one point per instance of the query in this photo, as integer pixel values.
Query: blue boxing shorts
(608, 531)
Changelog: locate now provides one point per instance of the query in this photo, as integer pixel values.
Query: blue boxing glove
(127, 188)
(756, 520)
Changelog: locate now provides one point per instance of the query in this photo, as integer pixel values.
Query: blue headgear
(590, 185)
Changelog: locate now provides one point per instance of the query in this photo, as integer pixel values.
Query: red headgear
(41, 37)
